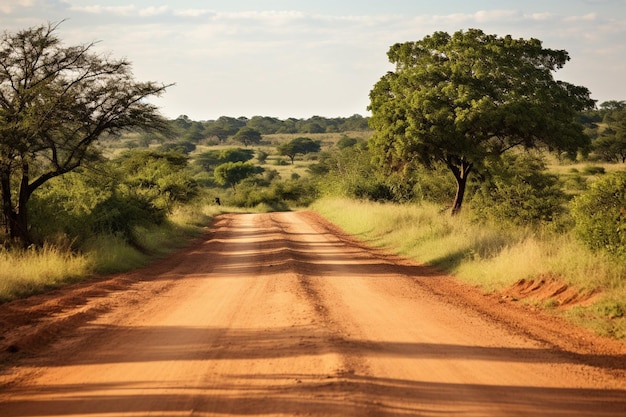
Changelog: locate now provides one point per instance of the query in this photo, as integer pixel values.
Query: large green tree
(462, 99)
(56, 101)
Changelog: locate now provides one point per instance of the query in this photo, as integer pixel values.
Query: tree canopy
(55, 103)
(232, 173)
(297, 146)
(611, 143)
(465, 98)
(248, 136)
(208, 160)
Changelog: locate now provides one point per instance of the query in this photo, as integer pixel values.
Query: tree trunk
(461, 173)
(21, 223)
(7, 206)
(16, 218)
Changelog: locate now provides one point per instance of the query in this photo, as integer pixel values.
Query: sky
(298, 58)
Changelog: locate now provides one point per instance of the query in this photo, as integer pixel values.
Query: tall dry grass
(25, 272)
(31, 271)
(491, 258)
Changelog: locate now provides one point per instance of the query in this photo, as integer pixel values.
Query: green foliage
(350, 173)
(68, 97)
(464, 98)
(593, 170)
(119, 215)
(138, 189)
(209, 160)
(434, 185)
(346, 142)
(225, 126)
(298, 146)
(261, 156)
(248, 136)
(184, 147)
(611, 147)
(520, 191)
(600, 214)
(232, 173)
(158, 177)
(235, 155)
(611, 144)
(63, 206)
(276, 196)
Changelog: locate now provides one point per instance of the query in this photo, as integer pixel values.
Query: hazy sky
(297, 58)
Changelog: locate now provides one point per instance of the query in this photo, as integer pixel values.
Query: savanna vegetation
(94, 180)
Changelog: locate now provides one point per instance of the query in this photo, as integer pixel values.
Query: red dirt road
(281, 315)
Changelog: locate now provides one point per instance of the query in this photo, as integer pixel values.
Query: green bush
(593, 170)
(137, 189)
(600, 214)
(519, 191)
(120, 214)
(435, 185)
(274, 196)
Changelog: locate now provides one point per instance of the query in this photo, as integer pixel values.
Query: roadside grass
(490, 258)
(29, 271)
(36, 270)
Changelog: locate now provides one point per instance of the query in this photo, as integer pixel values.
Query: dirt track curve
(281, 315)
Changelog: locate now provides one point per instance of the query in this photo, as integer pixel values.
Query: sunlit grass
(25, 272)
(488, 257)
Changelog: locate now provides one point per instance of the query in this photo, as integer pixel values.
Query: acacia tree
(248, 136)
(611, 144)
(463, 99)
(298, 146)
(56, 101)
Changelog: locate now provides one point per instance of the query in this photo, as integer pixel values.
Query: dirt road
(279, 315)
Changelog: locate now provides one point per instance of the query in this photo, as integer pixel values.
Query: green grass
(25, 272)
(32, 271)
(489, 257)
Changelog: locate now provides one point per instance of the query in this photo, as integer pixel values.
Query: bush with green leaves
(119, 215)
(209, 160)
(276, 195)
(518, 190)
(433, 184)
(137, 189)
(600, 214)
(232, 173)
(161, 178)
(63, 206)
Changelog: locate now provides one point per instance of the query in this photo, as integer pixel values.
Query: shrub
(119, 215)
(600, 214)
(593, 170)
(519, 191)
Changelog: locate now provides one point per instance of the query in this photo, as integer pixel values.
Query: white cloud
(541, 16)
(193, 12)
(153, 11)
(590, 17)
(484, 16)
(96, 9)
(8, 6)
(294, 61)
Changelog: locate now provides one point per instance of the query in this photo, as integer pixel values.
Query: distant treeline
(225, 126)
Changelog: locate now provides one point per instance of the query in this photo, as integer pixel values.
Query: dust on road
(280, 315)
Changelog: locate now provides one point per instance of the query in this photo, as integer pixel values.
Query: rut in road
(275, 314)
